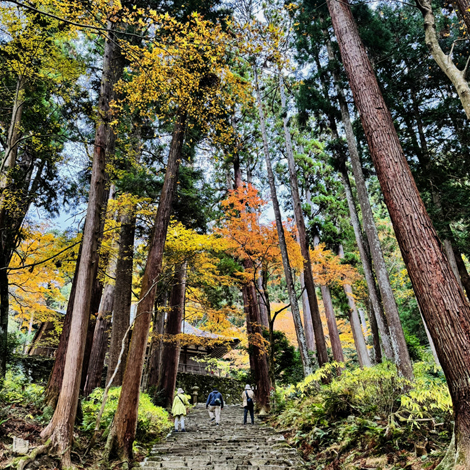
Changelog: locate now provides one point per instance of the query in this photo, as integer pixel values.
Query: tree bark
(359, 341)
(445, 63)
(8, 163)
(122, 433)
(55, 379)
(464, 10)
(294, 306)
(444, 306)
(258, 358)
(4, 310)
(330, 318)
(307, 316)
(11, 148)
(464, 277)
(122, 295)
(100, 341)
(171, 345)
(320, 342)
(377, 316)
(60, 429)
(397, 338)
(263, 310)
(259, 354)
(430, 340)
(156, 347)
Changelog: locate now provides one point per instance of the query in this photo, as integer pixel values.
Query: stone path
(229, 446)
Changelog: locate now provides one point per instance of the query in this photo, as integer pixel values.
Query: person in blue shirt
(215, 404)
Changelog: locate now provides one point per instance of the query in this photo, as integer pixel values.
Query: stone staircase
(229, 446)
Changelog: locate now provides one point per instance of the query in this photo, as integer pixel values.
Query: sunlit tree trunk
(359, 341)
(60, 428)
(445, 308)
(320, 342)
(307, 316)
(397, 337)
(122, 433)
(445, 61)
(330, 318)
(376, 314)
(294, 306)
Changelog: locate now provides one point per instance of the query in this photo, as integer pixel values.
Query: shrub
(152, 421)
(17, 391)
(372, 409)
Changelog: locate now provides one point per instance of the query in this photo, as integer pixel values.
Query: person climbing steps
(215, 404)
(179, 410)
(230, 446)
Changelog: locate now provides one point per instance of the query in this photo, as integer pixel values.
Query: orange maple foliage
(249, 237)
(285, 323)
(328, 268)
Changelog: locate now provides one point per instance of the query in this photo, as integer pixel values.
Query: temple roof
(216, 350)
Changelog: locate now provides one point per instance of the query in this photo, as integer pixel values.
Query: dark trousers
(252, 414)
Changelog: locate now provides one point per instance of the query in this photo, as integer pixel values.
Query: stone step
(230, 446)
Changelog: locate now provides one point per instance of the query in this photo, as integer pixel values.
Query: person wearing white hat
(248, 404)
(178, 410)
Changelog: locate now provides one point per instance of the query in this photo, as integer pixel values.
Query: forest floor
(24, 422)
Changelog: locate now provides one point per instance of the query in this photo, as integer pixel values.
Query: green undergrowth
(23, 414)
(341, 421)
(152, 423)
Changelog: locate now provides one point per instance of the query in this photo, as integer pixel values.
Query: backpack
(216, 401)
(249, 400)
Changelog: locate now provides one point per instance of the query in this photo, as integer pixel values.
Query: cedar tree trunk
(377, 317)
(156, 347)
(320, 342)
(445, 308)
(100, 341)
(60, 428)
(330, 318)
(55, 379)
(397, 338)
(359, 341)
(257, 354)
(308, 325)
(294, 305)
(171, 344)
(122, 295)
(122, 433)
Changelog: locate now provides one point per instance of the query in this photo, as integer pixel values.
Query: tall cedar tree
(443, 303)
(60, 428)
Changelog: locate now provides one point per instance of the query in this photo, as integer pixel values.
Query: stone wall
(230, 389)
(38, 369)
